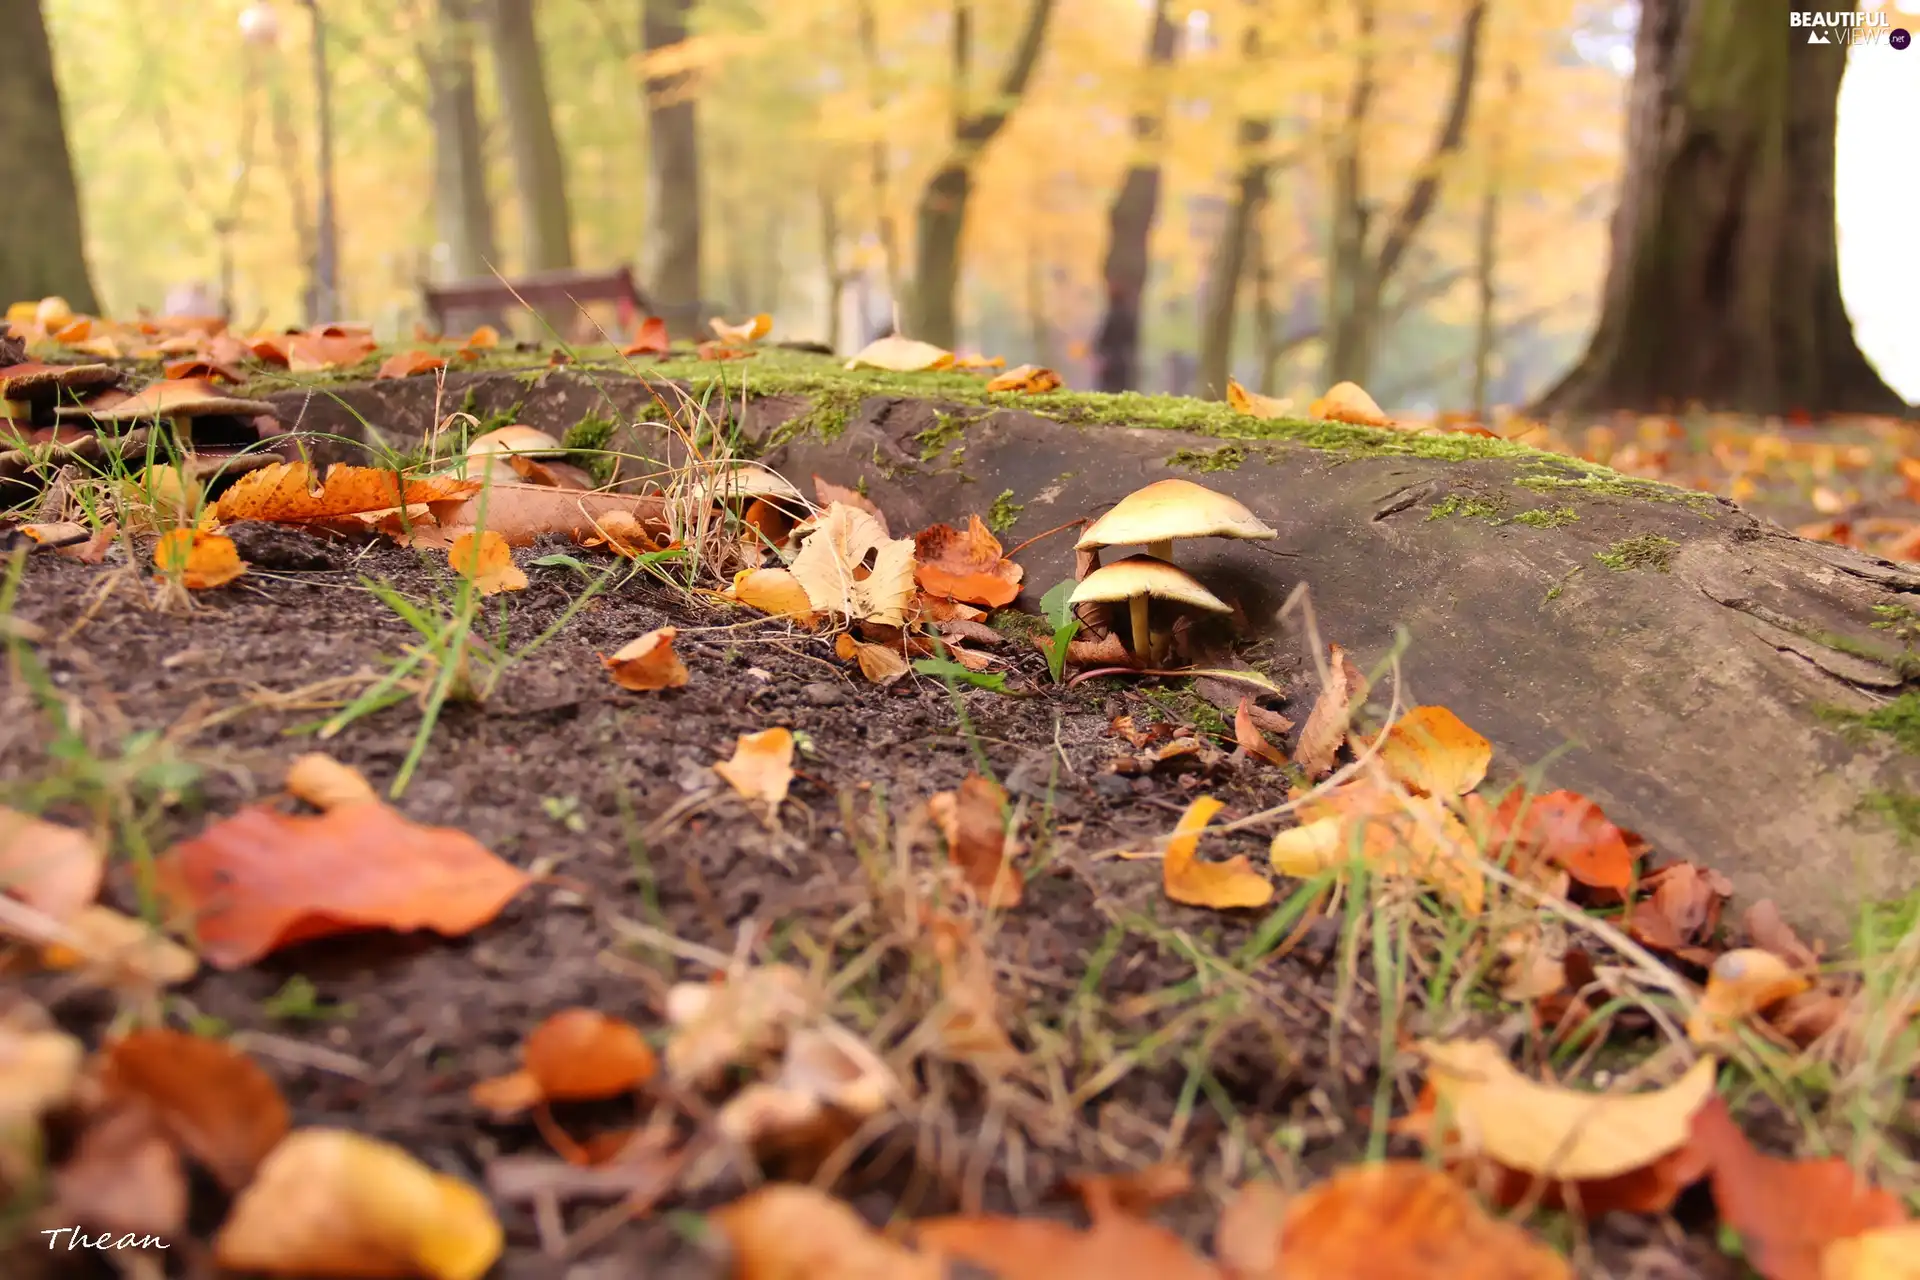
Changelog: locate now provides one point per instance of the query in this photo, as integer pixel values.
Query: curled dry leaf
(119, 951)
(1255, 405)
(621, 532)
(1740, 984)
(1566, 828)
(828, 493)
(213, 1101)
(484, 338)
(773, 591)
(198, 561)
(1398, 1218)
(974, 821)
(1326, 726)
(1348, 402)
(1393, 832)
(1249, 737)
(1030, 378)
(881, 664)
(261, 880)
(738, 1022)
(405, 364)
(761, 768)
(748, 330)
(54, 868)
(648, 663)
(483, 558)
(574, 1055)
(968, 1026)
(285, 493)
(62, 533)
(1681, 911)
(1788, 1213)
(1220, 885)
(830, 568)
(1770, 932)
(1433, 753)
(649, 339)
(325, 783)
(901, 355)
(791, 1232)
(829, 1081)
(332, 1202)
(965, 566)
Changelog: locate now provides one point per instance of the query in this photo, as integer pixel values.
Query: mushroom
(1139, 580)
(529, 442)
(180, 401)
(25, 389)
(1168, 509)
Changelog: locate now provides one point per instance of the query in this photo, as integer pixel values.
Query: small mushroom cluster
(1155, 517)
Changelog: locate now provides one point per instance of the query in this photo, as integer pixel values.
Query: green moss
(1901, 809)
(946, 430)
(1455, 505)
(1019, 626)
(1227, 457)
(1905, 664)
(1898, 719)
(587, 442)
(1545, 517)
(1567, 476)
(1004, 512)
(1647, 551)
(1883, 924)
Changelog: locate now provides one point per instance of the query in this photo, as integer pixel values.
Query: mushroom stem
(1139, 639)
(1161, 550)
(10, 409)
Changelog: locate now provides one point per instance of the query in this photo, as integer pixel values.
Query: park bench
(544, 291)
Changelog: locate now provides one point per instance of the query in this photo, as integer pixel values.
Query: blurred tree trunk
(462, 209)
(1723, 287)
(1486, 264)
(941, 217)
(1229, 262)
(879, 172)
(42, 248)
(539, 170)
(671, 253)
(1359, 275)
(835, 268)
(1116, 347)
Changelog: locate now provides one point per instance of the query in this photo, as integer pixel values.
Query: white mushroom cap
(1169, 509)
(1146, 576)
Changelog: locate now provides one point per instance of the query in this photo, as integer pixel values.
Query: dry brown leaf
(648, 664)
(285, 493)
(1347, 402)
(879, 663)
(332, 1202)
(1770, 931)
(1029, 378)
(405, 364)
(1220, 885)
(39, 1072)
(1565, 828)
(828, 493)
(91, 551)
(483, 558)
(261, 880)
(123, 1177)
(1117, 1247)
(522, 512)
(1255, 405)
(54, 868)
(1433, 753)
(965, 566)
(901, 355)
(968, 1022)
(623, 533)
(325, 783)
(212, 1100)
(198, 561)
(649, 339)
(738, 1022)
(830, 568)
(761, 769)
(973, 820)
(120, 952)
(1326, 726)
(1248, 736)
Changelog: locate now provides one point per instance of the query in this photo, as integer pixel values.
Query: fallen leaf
(1397, 1219)
(1116, 1246)
(262, 880)
(829, 1081)
(965, 566)
(1326, 726)
(1568, 829)
(648, 663)
(405, 364)
(967, 1021)
(1770, 931)
(123, 1177)
(879, 663)
(791, 1232)
(828, 493)
(198, 561)
(483, 558)
(39, 1072)
(1882, 1253)
(1433, 753)
(284, 493)
(761, 769)
(1788, 1212)
(774, 591)
(54, 868)
(974, 821)
(828, 568)
(624, 534)
(333, 1202)
(120, 951)
(748, 330)
(325, 783)
(484, 338)
(550, 474)
(204, 368)
(1220, 885)
(92, 551)
(1393, 832)
(649, 339)
(1347, 402)
(212, 1100)
(1255, 405)
(901, 355)
(737, 1022)
(522, 512)
(575, 1055)
(1681, 911)
(715, 349)
(1030, 378)
(1740, 984)
(1249, 738)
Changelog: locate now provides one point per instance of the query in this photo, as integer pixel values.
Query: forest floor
(1141, 1033)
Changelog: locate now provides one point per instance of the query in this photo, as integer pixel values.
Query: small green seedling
(947, 669)
(1065, 626)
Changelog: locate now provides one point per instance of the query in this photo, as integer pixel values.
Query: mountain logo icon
(1814, 37)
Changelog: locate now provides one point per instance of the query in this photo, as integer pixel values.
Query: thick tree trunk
(539, 170)
(1724, 285)
(42, 248)
(462, 209)
(1116, 347)
(671, 253)
(941, 217)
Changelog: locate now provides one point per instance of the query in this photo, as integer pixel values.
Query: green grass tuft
(1647, 551)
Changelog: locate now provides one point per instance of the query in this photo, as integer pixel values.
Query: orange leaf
(1347, 402)
(1431, 751)
(405, 364)
(1255, 405)
(746, 331)
(285, 493)
(200, 561)
(325, 783)
(1741, 983)
(1030, 378)
(202, 368)
(965, 566)
(761, 769)
(212, 1100)
(1569, 829)
(313, 352)
(880, 664)
(575, 1055)
(1786, 1211)
(53, 868)
(1399, 1219)
(485, 338)
(1326, 726)
(1250, 738)
(262, 880)
(650, 339)
(973, 820)
(774, 591)
(791, 1232)
(713, 349)
(828, 493)
(621, 532)
(486, 561)
(1116, 1246)
(1221, 885)
(648, 664)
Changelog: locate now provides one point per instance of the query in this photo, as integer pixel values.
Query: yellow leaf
(648, 663)
(1740, 984)
(878, 663)
(199, 561)
(1255, 405)
(774, 591)
(120, 951)
(829, 569)
(485, 559)
(1432, 752)
(1030, 378)
(1233, 883)
(38, 1072)
(738, 335)
(325, 783)
(791, 1232)
(1551, 1132)
(901, 355)
(1347, 402)
(54, 868)
(761, 769)
(333, 1202)
(1885, 1253)
(1392, 832)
